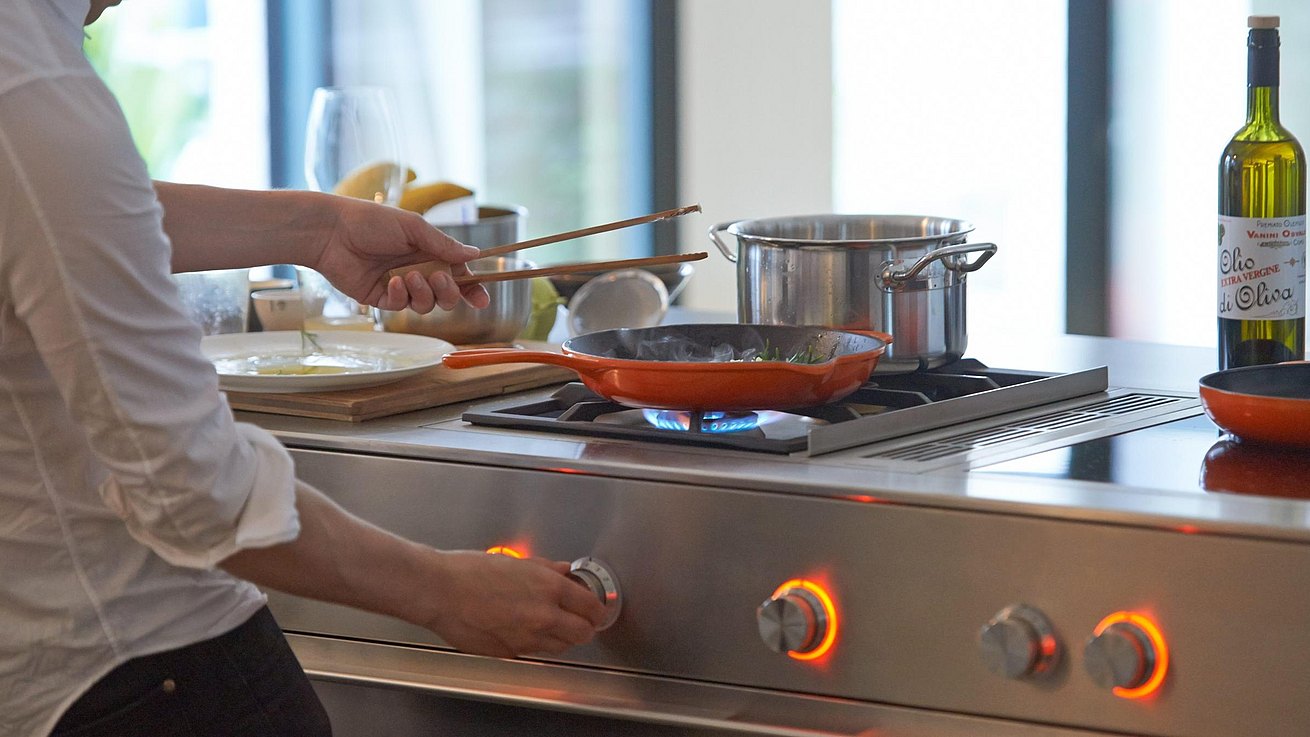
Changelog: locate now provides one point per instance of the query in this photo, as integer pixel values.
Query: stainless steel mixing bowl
(500, 322)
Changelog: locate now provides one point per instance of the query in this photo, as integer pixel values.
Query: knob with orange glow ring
(799, 619)
(600, 580)
(1128, 654)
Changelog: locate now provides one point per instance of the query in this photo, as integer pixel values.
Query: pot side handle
(728, 253)
(884, 337)
(878, 352)
(953, 257)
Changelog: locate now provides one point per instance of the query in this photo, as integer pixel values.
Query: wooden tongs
(628, 263)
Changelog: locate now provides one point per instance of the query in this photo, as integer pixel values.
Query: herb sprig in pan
(808, 355)
(308, 340)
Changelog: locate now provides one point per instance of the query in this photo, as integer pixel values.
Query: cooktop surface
(1190, 454)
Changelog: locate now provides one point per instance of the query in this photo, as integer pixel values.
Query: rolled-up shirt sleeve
(250, 504)
(84, 263)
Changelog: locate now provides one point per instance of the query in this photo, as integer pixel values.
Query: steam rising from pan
(716, 344)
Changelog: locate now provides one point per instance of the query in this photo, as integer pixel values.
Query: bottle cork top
(1262, 21)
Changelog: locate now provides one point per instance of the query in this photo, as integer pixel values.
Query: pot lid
(852, 230)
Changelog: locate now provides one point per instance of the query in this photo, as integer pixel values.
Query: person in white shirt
(136, 516)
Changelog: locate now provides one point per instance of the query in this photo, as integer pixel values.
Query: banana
(370, 182)
(424, 197)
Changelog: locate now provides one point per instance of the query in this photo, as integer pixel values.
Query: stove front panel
(911, 589)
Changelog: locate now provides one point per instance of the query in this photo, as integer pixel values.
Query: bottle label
(1262, 268)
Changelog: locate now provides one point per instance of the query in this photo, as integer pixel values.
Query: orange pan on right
(1265, 404)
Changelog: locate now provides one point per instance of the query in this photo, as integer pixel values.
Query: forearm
(356, 244)
(342, 559)
(218, 228)
(485, 604)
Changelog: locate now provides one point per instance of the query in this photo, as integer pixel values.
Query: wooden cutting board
(433, 388)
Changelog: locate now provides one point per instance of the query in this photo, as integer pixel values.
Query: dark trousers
(245, 683)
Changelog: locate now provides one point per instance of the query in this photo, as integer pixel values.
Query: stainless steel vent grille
(1026, 428)
(1129, 403)
(992, 436)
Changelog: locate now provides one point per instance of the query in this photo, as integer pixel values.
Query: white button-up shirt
(123, 477)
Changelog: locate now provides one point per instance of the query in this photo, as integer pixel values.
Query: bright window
(957, 108)
(1179, 84)
(191, 76)
(538, 104)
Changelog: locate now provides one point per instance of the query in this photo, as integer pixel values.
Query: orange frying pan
(708, 367)
(1266, 404)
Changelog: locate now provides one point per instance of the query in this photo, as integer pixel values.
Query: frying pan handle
(953, 257)
(728, 253)
(474, 357)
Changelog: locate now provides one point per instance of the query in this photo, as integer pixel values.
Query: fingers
(580, 601)
(444, 288)
(557, 633)
(477, 296)
(557, 566)
(456, 254)
(575, 598)
(423, 294)
(422, 298)
(396, 296)
(574, 630)
(448, 293)
(505, 607)
(430, 285)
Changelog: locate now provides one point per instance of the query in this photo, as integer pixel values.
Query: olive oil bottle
(1262, 184)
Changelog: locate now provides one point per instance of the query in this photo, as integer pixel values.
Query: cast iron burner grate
(922, 400)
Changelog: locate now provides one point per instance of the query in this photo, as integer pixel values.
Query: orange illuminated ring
(1156, 639)
(829, 610)
(504, 550)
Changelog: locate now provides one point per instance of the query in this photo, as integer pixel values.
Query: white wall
(755, 96)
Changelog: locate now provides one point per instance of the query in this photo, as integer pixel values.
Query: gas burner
(920, 400)
(701, 422)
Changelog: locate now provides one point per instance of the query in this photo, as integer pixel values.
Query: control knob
(596, 577)
(1019, 642)
(794, 621)
(1120, 656)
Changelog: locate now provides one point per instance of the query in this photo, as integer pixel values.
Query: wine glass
(351, 144)
(351, 148)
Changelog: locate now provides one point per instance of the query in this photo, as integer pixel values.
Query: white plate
(247, 362)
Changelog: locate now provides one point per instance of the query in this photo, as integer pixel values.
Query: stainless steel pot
(496, 226)
(898, 274)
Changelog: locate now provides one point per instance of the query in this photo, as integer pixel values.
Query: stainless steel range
(1045, 553)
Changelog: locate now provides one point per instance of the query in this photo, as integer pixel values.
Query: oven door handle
(673, 715)
(630, 697)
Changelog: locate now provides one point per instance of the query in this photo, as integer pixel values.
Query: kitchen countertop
(439, 434)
